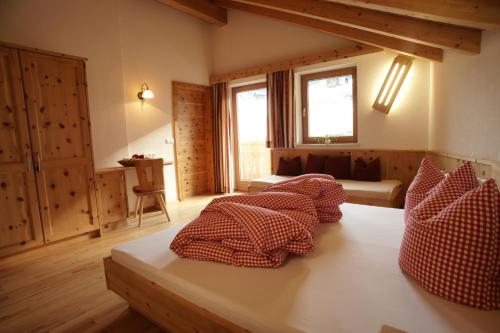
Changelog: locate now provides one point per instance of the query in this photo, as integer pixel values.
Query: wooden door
(20, 225)
(193, 139)
(56, 99)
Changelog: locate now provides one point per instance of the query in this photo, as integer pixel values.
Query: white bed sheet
(350, 283)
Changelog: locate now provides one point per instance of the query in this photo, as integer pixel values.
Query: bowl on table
(127, 162)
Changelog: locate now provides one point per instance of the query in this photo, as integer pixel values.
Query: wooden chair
(150, 175)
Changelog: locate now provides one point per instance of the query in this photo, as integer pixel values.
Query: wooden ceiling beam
(482, 14)
(359, 35)
(311, 59)
(409, 28)
(201, 9)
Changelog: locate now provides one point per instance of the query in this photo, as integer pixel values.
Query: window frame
(241, 184)
(306, 139)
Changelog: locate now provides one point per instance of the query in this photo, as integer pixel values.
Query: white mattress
(350, 283)
(264, 182)
(387, 189)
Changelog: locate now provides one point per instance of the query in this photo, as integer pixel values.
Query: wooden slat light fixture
(392, 83)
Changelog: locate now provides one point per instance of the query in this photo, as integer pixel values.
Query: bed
(386, 193)
(350, 283)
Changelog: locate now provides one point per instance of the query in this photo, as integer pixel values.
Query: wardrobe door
(56, 99)
(20, 225)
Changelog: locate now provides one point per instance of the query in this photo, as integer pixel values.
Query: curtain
(221, 137)
(280, 111)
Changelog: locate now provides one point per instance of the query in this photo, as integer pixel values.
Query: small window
(329, 106)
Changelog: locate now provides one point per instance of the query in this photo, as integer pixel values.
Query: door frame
(240, 185)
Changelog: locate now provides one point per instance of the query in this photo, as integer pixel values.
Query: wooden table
(113, 189)
(123, 169)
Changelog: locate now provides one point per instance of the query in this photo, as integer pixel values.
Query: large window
(253, 159)
(329, 106)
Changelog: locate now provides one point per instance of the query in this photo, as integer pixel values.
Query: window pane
(330, 106)
(254, 157)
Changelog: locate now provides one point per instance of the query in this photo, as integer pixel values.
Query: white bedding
(386, 189)
(350, 283)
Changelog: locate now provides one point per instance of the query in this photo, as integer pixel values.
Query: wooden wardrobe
(47, 190)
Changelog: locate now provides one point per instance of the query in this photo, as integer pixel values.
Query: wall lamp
(392, 83)
(145, 93)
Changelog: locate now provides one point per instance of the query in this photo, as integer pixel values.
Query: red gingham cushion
(427, 177)
(457, 183)
(325, 192)
(456, 253)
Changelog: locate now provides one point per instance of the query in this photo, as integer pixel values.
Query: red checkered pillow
(427, 177)
(456, 253)
(457, 183)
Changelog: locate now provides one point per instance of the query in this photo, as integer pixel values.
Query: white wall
(406, 125)
(64, 26)
(159, 45)
(465, 116)
(250, 40)
(127, 42)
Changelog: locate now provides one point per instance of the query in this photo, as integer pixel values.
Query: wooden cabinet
(56, 101)
(113, 202)
(46, 167)
(20, 226)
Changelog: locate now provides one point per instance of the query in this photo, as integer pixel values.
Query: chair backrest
(150, 174)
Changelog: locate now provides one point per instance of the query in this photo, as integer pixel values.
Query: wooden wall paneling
(484, 169)
(402, 165)
(56, 98)
(395, 164)
(20, 225)
(193, 139)
(113, 201)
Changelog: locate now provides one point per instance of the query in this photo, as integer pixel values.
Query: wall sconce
(392, 83)
(145, 93)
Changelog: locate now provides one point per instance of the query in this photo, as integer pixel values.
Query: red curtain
(221, 137)
(280, 111)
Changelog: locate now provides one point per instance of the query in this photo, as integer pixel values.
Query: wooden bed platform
(166, 309)
(182, 295)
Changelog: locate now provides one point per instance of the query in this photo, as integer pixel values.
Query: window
(329, 106)
(253, 159)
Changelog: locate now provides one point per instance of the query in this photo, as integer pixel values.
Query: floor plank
(62, 288)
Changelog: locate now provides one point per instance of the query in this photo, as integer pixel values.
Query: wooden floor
(62, 288)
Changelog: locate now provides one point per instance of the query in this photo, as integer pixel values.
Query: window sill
(327, 146)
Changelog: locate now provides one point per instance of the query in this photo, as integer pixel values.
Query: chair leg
(159, 199)
(163, 205)
(137, 200)
(141, 209)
